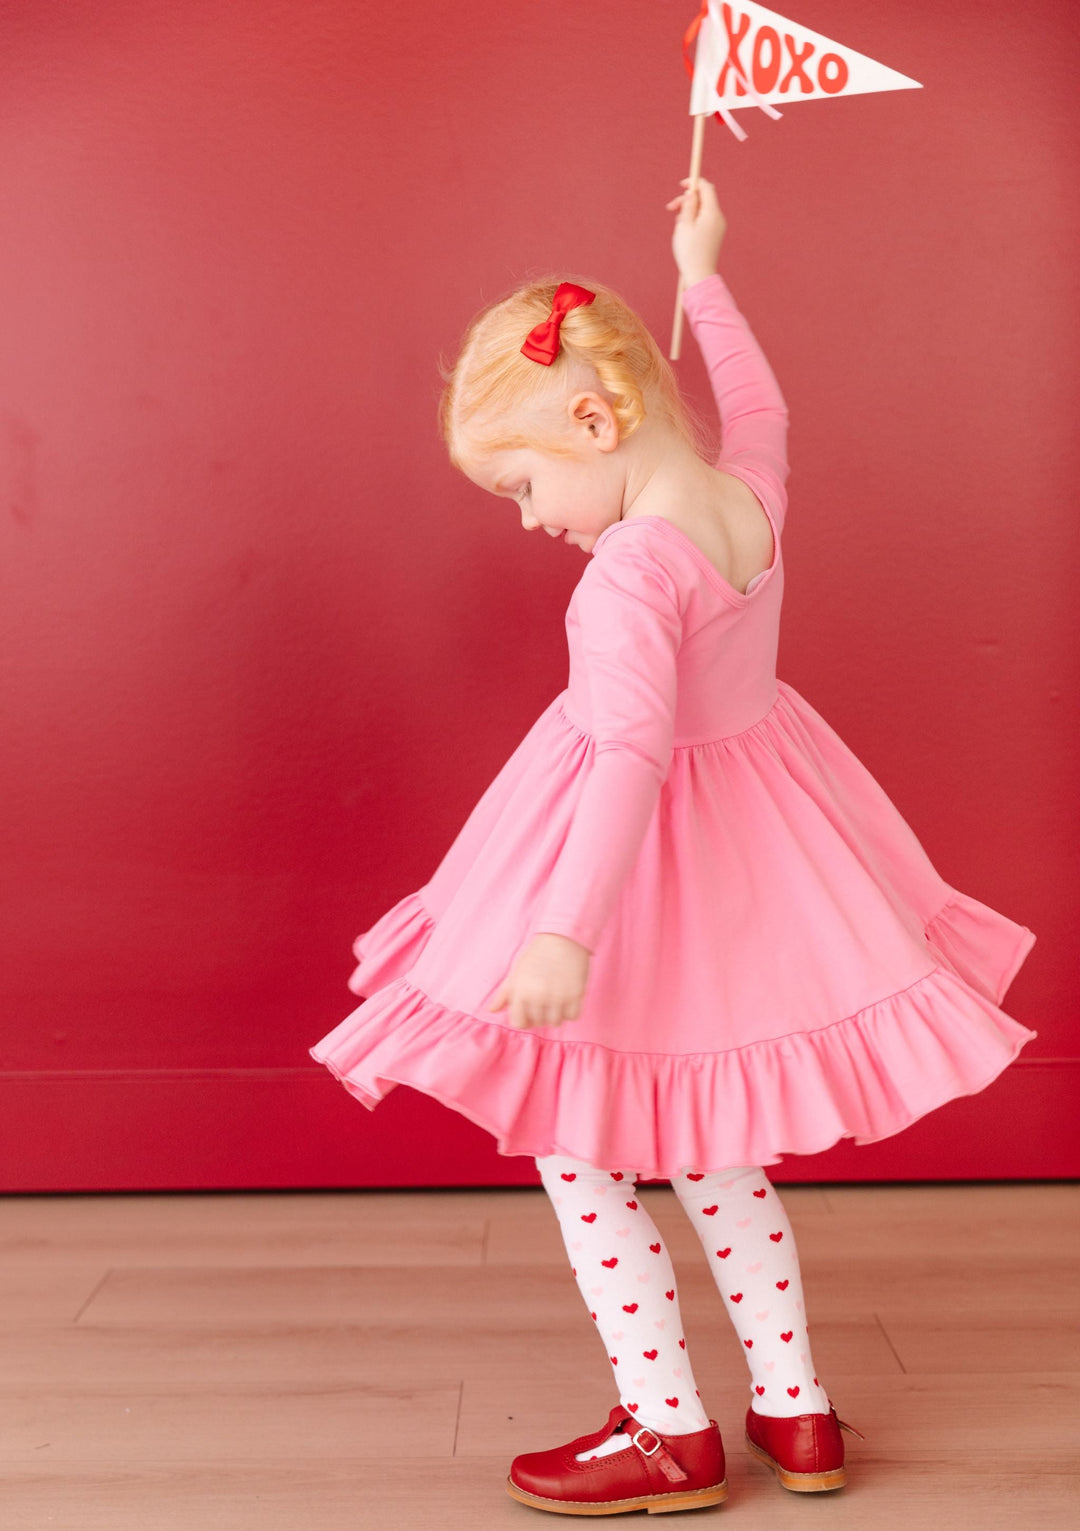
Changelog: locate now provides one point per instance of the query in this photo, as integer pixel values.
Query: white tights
(625, 1275)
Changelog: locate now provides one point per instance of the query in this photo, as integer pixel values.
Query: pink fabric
(776, 962)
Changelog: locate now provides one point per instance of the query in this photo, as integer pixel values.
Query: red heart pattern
(632, 1287)
(756, 1258)
(722, 1198)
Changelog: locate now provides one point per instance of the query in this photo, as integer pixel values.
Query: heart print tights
(624, 1273)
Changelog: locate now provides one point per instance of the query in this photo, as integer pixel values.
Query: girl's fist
(699, 230)
(546, 982)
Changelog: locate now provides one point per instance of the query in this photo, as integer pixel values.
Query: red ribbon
(688, 37)
(542, 343)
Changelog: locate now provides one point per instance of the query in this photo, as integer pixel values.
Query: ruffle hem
(865, 1077)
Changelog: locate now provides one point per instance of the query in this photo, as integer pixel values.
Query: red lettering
(764, 75)
(829, 85)
(797, 61)
(733, 39)
(832, 71)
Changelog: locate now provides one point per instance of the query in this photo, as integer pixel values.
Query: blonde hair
(495, 397)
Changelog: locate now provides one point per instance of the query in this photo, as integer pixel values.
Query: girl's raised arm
(753, 414)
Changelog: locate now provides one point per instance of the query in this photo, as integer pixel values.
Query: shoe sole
(656, 1504)
(805, 1483)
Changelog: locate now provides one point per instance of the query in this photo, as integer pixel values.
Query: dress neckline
(711, 572)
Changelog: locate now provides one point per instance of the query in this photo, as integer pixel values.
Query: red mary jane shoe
(806, 1452)
(655, 1472)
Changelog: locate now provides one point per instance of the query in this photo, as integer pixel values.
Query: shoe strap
(658, 1453)
(851, 1429)
(843, 1425)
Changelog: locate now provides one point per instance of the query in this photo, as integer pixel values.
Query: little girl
(683, 931)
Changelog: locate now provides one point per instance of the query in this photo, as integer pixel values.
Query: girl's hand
(699, 231)
(546, 982)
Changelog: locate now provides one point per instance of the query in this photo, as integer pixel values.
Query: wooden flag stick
(695, 171)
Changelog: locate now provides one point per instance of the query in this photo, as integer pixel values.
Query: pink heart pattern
(618, 1242)
(746, 1204)
(746, 1207)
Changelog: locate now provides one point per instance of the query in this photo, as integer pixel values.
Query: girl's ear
(591, 410)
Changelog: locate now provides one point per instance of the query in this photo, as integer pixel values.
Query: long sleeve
(630, 622)
(753, 414)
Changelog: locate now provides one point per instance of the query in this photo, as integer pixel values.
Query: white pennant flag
(748, 55)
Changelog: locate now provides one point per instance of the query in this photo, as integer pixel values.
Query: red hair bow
(542, 343)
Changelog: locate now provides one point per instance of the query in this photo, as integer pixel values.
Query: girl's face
(574, 498)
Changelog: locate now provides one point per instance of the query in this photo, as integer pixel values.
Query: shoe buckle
(644, 1430)
(664, 1460)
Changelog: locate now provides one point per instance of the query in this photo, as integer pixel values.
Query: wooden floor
(337, 1361)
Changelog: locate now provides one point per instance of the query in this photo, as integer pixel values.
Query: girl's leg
(747, 1238)
(625, 1275)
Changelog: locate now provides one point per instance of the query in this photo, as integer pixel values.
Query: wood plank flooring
(348, 1360)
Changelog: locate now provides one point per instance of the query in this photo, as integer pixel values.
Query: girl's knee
(695, 1183)
(562, 1170)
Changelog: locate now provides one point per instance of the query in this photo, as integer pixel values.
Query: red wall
(263, 648)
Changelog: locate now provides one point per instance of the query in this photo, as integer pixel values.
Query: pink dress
(776, 963)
